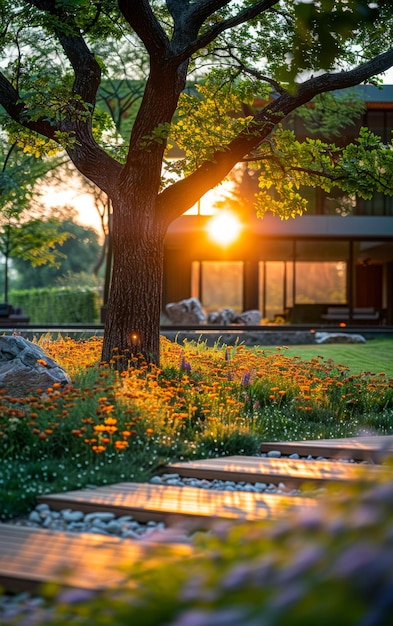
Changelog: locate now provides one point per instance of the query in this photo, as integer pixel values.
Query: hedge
(58, 305)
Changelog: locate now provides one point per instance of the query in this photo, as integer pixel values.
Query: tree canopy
(78, 254)
(26, 230)
(284, 52)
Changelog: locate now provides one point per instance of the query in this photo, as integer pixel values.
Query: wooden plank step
(199, 507)
(374, 448)
(293, 472)
(30, 557)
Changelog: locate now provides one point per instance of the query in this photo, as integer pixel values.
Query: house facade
(332, 265)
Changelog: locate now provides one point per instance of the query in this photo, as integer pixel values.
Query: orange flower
(42, 362)
(110, 421)
(99, 428)
(120, 445)
(149, 431)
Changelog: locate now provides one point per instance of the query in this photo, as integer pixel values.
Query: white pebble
(156, 480)
(72, 516)
(35, 517)
(274, 454)
(103, 516)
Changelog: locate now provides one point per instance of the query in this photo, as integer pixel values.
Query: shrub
(58, 305)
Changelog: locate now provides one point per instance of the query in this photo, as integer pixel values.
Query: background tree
(77, 255)
(285, 52)
(26, 231)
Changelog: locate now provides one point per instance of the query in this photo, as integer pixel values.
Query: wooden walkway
(291, 472)
(30, 557)
(372, 448)
(194, 507)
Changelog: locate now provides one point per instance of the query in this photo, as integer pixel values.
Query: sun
(224, 228)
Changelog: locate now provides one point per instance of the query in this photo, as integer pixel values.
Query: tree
(25, 231)
(77, 255)
(301, 49)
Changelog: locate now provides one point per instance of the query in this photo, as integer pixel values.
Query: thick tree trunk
(133, 314)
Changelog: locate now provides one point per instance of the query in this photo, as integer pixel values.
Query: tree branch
(201, 11)
(175, 200)
(87, 70)
(16, 109)
(141, 18)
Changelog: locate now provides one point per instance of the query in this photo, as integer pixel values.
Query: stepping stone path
(79, 538)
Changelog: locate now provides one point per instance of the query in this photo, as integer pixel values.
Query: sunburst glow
(224, 228)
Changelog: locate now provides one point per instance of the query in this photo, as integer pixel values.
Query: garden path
(32, 556)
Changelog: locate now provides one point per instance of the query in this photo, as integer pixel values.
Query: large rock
(339, 338)
(24, 367)
(222, 318)
(253, 317)
(189, 311)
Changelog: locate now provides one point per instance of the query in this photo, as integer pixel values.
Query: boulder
(253, 317)
(222, 318)
(189, 311)
(228, 316)
(24, 367)
(339, 338)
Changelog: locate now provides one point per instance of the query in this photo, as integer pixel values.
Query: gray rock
(222, 318)
(42, 507)
(156, 480)
(72, 516)
(339, 338)
(249, 318)
(98, 523)
(189, 311)
(113, 527)
(260, 486)
(253, 317)
(102, 516)
(130, 534)
(24, 367)
(274, 454)
(35, 517)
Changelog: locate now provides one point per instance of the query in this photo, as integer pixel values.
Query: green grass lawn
(374, 356)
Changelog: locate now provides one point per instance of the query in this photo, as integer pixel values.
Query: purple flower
(185, 365)
(246, 379)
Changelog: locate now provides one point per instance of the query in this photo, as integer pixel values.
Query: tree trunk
(132, 327)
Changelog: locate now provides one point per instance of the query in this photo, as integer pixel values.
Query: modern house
(331, 265)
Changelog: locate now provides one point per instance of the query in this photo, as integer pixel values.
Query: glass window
(275, 288)
(321, 282)
(218, 284)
